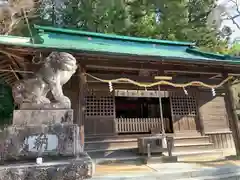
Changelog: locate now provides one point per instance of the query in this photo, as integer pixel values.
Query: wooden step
(191, 140)
(192, 147)
(111, 144)
(128, 143)
(132, 155)
(115, 137)
(177, 147)
(203, 155)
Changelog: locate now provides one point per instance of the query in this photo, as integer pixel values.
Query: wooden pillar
(81, 102)
(199, 113)
(232, 116)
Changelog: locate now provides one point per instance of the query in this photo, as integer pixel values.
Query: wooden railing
(134, 125)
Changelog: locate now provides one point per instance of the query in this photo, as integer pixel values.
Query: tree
(225, 13)
(94, 15)
(206, 37)
(171, 20)
(13, 13)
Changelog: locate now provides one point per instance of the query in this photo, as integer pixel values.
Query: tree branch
(11, 14)
(232, 18)
(236, 4)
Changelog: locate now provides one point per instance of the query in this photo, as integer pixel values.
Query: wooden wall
(213, 112)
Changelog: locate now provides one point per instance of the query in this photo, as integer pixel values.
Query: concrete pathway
(169, 171)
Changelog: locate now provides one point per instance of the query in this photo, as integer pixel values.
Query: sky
(231, 8)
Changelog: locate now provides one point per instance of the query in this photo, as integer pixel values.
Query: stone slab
(171, 171)
(38, 117)
(160, 159)
(168, 176)
(76, 169)
(23, 143)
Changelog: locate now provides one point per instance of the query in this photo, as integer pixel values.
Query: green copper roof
(65, 39)
(110, 36)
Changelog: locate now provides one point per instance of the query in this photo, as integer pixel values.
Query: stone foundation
(56, 170)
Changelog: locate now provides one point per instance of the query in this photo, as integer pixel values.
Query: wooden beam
(16, 63)
(233, 117)
(3, 62)
(150, 79)
(128, 66)
(103, 67)
(81, 101)
(9, 79)
(11, 54)
(2, 74)
(16, 76)
(190, 72)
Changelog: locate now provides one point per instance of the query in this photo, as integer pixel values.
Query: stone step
(29, 142)
(74, 169)
(127, 143)
(132, 156)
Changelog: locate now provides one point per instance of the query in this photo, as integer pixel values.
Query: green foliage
(6, 104)
(93, 15)
(182, 20)
(235, 50)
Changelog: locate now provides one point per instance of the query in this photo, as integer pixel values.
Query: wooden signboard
(140, 93)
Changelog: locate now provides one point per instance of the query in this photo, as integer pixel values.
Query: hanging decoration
(148, 85)
(185, 91)
(213, 92)
(110, 86)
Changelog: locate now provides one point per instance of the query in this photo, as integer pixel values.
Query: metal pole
(161, 110)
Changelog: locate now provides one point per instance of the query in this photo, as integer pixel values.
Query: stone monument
(43, 143)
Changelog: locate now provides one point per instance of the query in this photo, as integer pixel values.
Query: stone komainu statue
(56, 70)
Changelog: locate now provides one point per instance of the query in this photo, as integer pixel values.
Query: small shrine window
(184, 105)
(99, 104)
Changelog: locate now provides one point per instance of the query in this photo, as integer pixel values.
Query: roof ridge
(112, 36)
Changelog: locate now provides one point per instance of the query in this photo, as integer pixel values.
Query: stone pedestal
(39, 117)
(49, 134)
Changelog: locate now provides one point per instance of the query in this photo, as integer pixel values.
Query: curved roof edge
(111, 36)
(196, 51)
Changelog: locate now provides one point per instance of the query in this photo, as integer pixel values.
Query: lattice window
(184, 105)
(99, 105)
